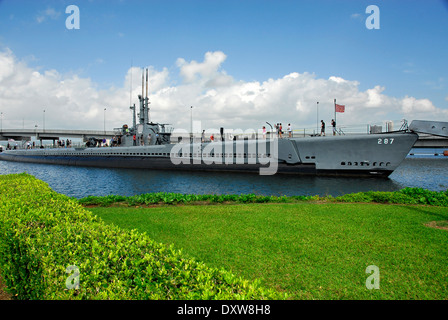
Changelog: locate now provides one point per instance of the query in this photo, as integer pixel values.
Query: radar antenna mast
(132, 107)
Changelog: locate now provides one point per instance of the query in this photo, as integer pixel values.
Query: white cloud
(6, 64)
(357, 16)
(47, 13)
(207, 71)
(413, 105)
(218, 100)
(69, 102)
(375, 98)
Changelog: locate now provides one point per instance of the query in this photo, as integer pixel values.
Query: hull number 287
(385, 141)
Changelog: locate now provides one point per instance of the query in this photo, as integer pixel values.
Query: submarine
(148, 145)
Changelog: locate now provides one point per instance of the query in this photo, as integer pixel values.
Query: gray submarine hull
(374, 155)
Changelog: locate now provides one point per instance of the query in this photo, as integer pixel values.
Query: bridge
(43, 134)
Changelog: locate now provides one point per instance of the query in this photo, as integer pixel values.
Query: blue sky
(261, 40)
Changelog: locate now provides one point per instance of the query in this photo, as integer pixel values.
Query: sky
(239, 64)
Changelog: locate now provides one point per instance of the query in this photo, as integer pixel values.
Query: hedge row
(177, 198)
(404, 196)
(43, 233)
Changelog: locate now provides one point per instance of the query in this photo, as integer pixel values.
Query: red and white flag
(339, 108)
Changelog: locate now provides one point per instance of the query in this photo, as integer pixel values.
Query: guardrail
(424, 140)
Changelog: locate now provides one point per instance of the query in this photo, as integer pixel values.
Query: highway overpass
(44, 134)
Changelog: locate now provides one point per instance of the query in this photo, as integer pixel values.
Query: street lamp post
(317, 118)
(191, 124)
(44, 121)
(104, 120)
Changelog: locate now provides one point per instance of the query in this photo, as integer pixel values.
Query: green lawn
(309, 250)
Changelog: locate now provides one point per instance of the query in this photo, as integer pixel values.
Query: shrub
(43, 232)
(424, 196)
(404, 196)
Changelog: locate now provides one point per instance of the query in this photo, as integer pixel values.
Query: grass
(45, 235)
(308, 250)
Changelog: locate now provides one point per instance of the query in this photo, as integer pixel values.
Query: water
(429, 172)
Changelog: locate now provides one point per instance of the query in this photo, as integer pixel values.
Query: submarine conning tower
(144, 133)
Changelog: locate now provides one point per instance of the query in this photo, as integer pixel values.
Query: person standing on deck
(333, 124)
